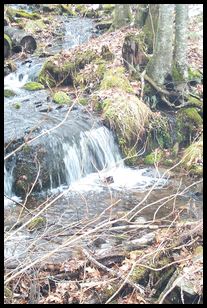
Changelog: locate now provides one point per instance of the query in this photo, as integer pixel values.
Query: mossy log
(20, 40)
(7, 46)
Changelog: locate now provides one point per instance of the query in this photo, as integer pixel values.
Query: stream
(76, 158)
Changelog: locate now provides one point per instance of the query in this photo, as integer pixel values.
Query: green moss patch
(154, 157)
(24, 14)
(115, 78)
(36, 223)
(188, 122)
(17, 105)
(159, 132)
(9, 93)
(61, 69)
(33, 86)
(8, 39)
(193, 153)
(61, 98)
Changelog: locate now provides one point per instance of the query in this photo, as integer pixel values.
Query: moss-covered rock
(61, 98)
(24, 14)
(81, 9)
(9, 93)
(83, 101)
(188, 121)
(61, 69)
(68, 9)
(115, 78)
(192, 155)
(17, 105)
(33, 86)
(159, 134)
(36, 223)
(8, 39)
(93, 72)
(154, 157)
(108, 7)
(194, 75)
(195, 102)
(34, 26)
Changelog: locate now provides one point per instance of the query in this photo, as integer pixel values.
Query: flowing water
(80, 156)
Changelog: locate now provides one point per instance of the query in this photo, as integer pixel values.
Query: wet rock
(144, 241)
(98, 242)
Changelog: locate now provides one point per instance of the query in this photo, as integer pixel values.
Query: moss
(127, 114)
(24, 14)
(154, 157)
(17, 105)
(26, 148)
(106, 54)
(139, 273)
(196, 170)
(8, 293)
(8, 39)
(34, 25)
(159, 134)
(176, 74)
(68, 9)
(195, 101)
(83, 101)
(10, 13)
(108, 7)
(33, 86)
(62, 70)
(115, 78)
(192, 154)
(194, 75)
(80, 8)
(129, 153)
(167, 162)
(36, 223)
(61, 98)
(187, 123)
(9, 93)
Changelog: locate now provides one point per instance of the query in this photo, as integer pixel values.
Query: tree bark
(122, 16)
(161, 63)
(141, 15)
(20, 40)
(181, 37)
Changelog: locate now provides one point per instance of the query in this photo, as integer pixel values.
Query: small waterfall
(93, 151)
(8, 180)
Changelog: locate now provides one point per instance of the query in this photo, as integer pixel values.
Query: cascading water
(8, 179)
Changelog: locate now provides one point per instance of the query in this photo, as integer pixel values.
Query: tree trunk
(20, 40)
(122, 16)
(181, 40)
(141, 15)
(161, 63)
(150, 27)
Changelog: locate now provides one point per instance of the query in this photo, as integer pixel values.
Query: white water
(125, 178)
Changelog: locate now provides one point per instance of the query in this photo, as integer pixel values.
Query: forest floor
(162, 265)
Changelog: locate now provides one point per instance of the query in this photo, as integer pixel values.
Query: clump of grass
(193, 153)
(115, 78)
(126, 113)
